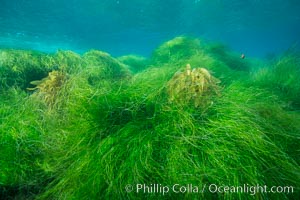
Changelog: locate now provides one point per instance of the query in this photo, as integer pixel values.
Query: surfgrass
(282, 77)
(21, 146)
(172, 144)
(102, 133)
(145, 139)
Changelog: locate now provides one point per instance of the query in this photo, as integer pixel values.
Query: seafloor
(194, 114)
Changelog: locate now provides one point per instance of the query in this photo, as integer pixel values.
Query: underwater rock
(135, 63)
(232, 59)
(68, 61)
(193, 86)
(102, 65)
(19, 67)
(282, 77)
(175, 50)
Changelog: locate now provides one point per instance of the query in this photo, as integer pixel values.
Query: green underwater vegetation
(85, 126)
(282, 78)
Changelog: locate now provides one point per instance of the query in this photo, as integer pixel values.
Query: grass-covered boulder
(19, 67)
(136, 63)
(282, 77)
(102, 66)
(234, 60)
(21, 146)
(176, 50)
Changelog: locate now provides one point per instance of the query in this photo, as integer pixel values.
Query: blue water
(254, 27)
